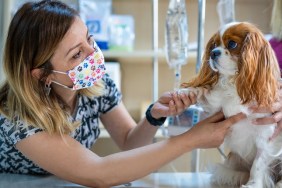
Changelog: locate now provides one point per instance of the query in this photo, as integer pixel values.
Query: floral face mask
(88, 72)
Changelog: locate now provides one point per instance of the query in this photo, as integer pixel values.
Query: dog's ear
(206, 76)
(258, 71)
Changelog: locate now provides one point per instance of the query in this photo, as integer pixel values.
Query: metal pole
(5, 16)
(201, 29)
(195, 162)
(155, 49)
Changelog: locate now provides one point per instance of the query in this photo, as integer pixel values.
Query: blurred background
(131, 34)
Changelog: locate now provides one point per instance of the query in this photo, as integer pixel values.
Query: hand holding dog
(210, 132)
(276, 116)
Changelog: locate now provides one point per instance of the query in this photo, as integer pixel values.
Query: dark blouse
(87, 112)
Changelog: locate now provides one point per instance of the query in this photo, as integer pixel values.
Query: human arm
(68, 159)
(127, 134)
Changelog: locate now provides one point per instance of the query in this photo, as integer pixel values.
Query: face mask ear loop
(62, 85)
(59, 72)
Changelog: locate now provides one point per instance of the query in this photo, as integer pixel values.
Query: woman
(49, 111)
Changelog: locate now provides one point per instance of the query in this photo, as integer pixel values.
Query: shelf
(142, 54)
(128, 54)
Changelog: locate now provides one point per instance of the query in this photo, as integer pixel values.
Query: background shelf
(140, 54)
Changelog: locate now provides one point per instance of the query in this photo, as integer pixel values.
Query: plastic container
(121, 31)
(185, 121)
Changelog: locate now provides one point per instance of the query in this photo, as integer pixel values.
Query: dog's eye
(232, 44)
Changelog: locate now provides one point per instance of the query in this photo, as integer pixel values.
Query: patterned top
(87, 112)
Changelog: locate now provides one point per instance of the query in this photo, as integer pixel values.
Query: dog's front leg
(208, 100)
(198, 91)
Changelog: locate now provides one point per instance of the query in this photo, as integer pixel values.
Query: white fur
(226, 26)
(250, 142)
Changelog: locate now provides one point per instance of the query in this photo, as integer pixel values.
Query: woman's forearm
(66, 158)
(134, 164)
(140, 135)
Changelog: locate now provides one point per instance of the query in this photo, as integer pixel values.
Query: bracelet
(153, 121)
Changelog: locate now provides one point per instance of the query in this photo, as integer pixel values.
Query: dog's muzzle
(212, 65)
(215, 53)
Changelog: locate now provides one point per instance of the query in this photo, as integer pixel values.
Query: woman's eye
(90, 39)
(232, 44)
(77, 55)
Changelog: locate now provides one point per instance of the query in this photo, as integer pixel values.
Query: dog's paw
(252, 184)
(248, 186)
(279, 184)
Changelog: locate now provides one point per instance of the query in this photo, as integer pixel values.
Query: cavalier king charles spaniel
(240, 70)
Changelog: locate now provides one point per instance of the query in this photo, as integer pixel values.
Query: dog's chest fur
(244, 137)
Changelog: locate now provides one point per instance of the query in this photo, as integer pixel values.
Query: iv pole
(155, 49)
(201, 23)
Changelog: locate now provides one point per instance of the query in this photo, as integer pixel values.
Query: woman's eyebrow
(72, 48)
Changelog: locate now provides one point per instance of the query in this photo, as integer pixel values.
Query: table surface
(160, 180)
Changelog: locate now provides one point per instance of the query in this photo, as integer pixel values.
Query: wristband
(153, 121)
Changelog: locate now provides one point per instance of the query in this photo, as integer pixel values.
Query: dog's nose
(215, 54)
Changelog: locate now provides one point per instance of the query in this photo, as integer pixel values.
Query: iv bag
(176, 33)
(226, 11)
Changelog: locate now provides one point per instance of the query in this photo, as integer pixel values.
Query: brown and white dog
(240, 70)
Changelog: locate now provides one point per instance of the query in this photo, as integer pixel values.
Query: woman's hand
(276, 116)
(210, 132)
(172, 103)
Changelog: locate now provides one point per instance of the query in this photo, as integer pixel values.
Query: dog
(240, 70)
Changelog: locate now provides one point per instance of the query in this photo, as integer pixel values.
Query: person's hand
(210, 132)
(275, 117)
(172, 103)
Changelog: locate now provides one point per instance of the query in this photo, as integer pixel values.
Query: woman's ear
(36, 73)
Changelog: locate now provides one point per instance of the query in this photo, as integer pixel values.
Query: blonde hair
(276, 19)
(34, 33)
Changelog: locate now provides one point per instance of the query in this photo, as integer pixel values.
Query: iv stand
(201, 22)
